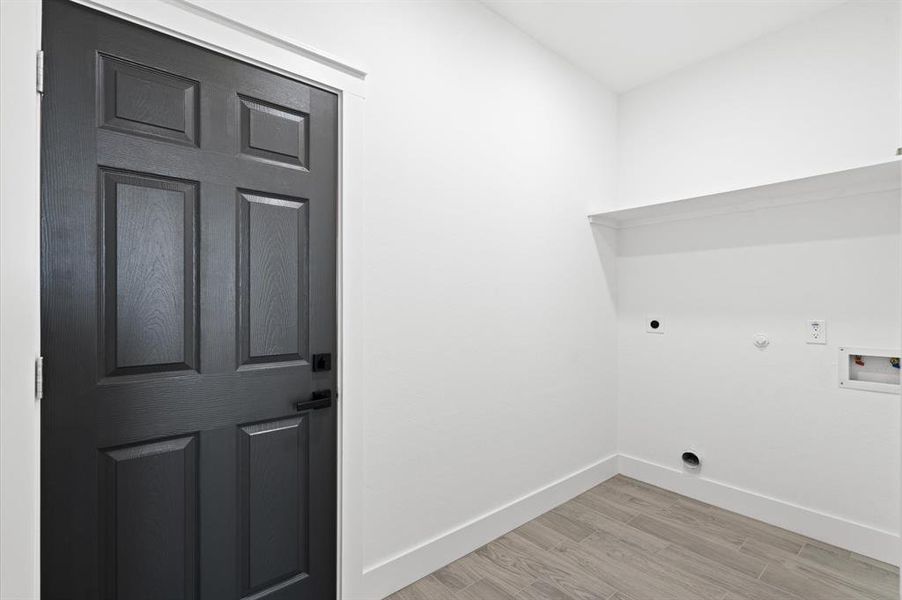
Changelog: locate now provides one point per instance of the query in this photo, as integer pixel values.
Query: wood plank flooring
(627, 540)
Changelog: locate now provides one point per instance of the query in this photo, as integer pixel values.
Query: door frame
(198, 25)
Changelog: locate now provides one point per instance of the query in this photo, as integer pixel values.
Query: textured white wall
(819, 96)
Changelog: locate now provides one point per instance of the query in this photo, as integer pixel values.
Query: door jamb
(185, 20)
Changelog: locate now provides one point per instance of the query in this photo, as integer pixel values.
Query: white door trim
(192, 22)
(20, 301)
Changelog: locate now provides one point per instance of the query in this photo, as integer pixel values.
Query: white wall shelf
(879, 177)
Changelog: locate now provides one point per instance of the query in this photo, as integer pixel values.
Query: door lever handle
(318, 399)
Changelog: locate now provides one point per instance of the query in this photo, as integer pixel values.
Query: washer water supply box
(870, 369)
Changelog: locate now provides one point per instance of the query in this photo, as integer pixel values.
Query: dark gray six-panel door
(188, 278)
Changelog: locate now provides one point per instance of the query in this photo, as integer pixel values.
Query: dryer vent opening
(691, 461)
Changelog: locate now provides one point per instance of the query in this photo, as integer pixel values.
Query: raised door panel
(149, 524)
(273, 278)
(273, 132)
(144, 101)
(149, 273)
(273, 481)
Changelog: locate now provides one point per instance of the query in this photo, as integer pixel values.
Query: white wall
(20, 29)
(819, 96)
(489, 328)
(773, 423)
(822, 95)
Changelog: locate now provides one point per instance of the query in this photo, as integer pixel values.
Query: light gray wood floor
(627, 540)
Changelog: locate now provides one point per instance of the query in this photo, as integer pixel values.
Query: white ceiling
(627, 43)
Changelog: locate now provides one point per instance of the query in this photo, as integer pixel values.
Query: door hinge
(39, 378)
(39, 77)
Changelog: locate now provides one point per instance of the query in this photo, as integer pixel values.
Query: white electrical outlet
(817, 331)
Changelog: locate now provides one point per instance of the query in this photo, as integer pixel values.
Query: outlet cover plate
(817, 331)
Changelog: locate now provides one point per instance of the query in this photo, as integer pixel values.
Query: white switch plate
(817, 331)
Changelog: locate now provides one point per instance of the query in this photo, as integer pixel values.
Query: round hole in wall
(691, 460)
(654, 324)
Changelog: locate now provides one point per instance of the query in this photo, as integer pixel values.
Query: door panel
(188, 272)
(273, 504)
(156, 483)
(273, 132)
(144, 101)
(273, 280)
(149, 240)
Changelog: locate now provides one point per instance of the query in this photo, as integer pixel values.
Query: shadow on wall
(606, 243)
(868, 215)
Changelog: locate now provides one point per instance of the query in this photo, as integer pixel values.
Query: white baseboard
(876, 543)
(392, 574)
(403, 569)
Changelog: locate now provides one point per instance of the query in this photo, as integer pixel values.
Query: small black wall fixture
(691, 460)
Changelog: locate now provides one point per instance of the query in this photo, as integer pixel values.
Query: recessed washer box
(869, 369)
